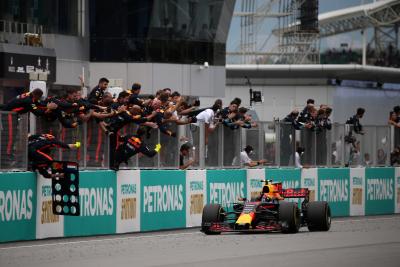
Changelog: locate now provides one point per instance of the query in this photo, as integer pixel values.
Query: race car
(268, 212)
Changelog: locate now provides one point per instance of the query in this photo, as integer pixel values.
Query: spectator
(297, 157)
(184, 152)
(394, 119)
(237, 100)
(395, 157)
(307, 119)
(229, 112)
(74, 113)
(97, 92)
(381, 157)
(207, 116)
(246, 160)
(168, 91)
(305, 115)
(25, 103)
(134, 98)
(123, 99)
(367, 160)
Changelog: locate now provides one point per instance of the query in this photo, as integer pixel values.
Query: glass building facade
(56, 16)
(166, 31)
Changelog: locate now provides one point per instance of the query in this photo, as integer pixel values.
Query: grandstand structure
(299, 29)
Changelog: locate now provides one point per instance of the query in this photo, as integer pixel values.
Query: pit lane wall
(146, 200)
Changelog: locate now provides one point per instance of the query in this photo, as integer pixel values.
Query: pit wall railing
(147, 200)
(275, 142)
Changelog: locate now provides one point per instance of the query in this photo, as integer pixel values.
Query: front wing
(221, 227)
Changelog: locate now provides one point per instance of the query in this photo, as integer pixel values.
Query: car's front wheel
(212, 213)
(289, 217)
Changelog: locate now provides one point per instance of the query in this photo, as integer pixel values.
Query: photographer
(322, 125)
(287, 132)
(352, 145)
(352, 149)
(355, 121)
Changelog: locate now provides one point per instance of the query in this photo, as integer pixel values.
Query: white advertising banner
(357, 191)
(47, 223)
(196, 196)
(309, 179)
(397, 189)
(254, 182)
(128, 201)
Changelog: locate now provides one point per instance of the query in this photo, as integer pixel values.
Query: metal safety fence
(219, 147)
(13, 141)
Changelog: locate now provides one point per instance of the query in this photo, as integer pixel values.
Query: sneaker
(158, 148)
(115, 167)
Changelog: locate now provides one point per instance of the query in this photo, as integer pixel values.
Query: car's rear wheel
(289, 217)
(318, 216)
(212, 213)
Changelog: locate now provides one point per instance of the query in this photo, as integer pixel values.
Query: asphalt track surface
(357, 241)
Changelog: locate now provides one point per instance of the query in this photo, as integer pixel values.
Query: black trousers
(126, 151)
(40, 161)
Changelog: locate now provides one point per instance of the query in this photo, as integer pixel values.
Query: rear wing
(295, 193)
(288, 192)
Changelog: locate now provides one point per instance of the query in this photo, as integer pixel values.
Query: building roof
(379, 13)
(317, 71)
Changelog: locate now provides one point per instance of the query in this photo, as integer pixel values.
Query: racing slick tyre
(318, 216)
(212, 213)
(289, 217)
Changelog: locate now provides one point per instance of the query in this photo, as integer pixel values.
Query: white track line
(165, 235)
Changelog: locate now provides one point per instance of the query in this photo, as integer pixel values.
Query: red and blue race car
(268, 212)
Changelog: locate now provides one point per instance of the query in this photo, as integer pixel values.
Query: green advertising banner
(334, 187)
(163, 200)
(17, 206)
(97, 193)
(379, 192)
(226, 186)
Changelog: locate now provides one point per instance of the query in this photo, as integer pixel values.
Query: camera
(350, 139)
